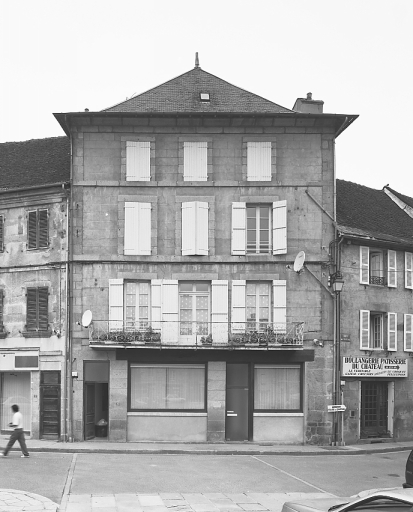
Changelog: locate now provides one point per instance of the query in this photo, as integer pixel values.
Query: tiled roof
(34, 162)
(370, 213)
(406, 199)
(182, 94)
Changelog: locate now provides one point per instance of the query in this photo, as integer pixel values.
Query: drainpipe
(66, 303)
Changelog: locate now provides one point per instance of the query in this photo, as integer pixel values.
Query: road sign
(336, 408)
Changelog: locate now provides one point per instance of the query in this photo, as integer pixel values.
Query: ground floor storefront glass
(15, 388)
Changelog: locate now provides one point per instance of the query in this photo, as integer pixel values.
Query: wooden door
(237, 403)
(89, 411)
(50, 405)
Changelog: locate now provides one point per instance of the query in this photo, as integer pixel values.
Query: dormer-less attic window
(204, 96)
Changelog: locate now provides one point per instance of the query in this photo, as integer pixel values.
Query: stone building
(34, 178)
(375, 236)
(189, 205)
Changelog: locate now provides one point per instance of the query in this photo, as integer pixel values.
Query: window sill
(278, 414)
(36, 334)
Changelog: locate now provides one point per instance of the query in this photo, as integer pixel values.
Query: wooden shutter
(37, 313)
(219, 311)
(144, 228)
(188, 228)
(238, 238)
(408, 321)
(279, 227)
(364, 265)
(115, 304)
(43, 297)
(201, 232)
(392, 331)
(138, 161)
(1, 308)
(238, 313)
(137, 228)
(279, 305)
(170, 311)
(32, 230)
(258, 161)
(43, 228)
(156, 303)
(195, 161)
(364, 330)
(408, 270)
(1, 233)
(392, 269)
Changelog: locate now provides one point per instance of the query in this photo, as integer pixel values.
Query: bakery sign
(357, 366)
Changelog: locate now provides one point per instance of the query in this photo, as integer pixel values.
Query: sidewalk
(10, 499)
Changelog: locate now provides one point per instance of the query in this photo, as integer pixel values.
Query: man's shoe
(24, 456)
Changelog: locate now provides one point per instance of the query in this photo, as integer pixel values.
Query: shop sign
(336, 408)
(345, 337)
(358, 366)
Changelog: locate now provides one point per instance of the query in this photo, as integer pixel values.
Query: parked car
(386, 500)
(409, 471)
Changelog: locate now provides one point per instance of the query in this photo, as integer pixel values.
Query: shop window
(167, 387)
(194, 309)
(15, 388)
(37, 314)
(137, 305)
(38, 229)
(277, 388)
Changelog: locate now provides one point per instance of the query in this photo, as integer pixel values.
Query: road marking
(293, 476)
(68, 484)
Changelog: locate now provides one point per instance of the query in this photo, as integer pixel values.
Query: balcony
(199, 335)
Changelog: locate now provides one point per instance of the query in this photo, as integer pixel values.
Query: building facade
(189, 204)
(34, 179)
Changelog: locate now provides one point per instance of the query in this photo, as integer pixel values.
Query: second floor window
(196, 161)
(259, 161)
(138, 228)
(137, 305)
(378, 267)
(37, 318)
(38, 229)
(138, 161)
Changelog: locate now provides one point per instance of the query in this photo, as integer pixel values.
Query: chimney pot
(309, 95)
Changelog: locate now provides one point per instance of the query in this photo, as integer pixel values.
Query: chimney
(308, 105)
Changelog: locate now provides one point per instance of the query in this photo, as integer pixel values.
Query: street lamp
(337, 281)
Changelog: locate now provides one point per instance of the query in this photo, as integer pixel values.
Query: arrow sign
(392, 367)
(336, 408)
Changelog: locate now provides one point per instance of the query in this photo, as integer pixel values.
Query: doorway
(49, 404)
(374, 410)
(96, 399)
(237, 403)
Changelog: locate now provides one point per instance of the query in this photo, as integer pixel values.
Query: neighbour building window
(38, 229)
(37, 318)
(277, 388)
(1, 233)
(194, 308)
(378, 267)
(196, 161)
(408, 270)
(378, 330)
(137, 228)
(167, 387)
(259, 161)
(137, 309)
(138, 161)
(195, 228)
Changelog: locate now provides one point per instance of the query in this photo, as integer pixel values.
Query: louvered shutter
(1, 233)
(188, 228)
(408, 270)
(1, 309)
(137, 228)
(364, 330)
(144, 228)
(31, 309)
(258, 161)
(279, 227)
(201, 232)
(195, 161)
(43, 298)
(115, 304)
(279, 305)
(43, 222)
(408, 345)
(238, 313)
(392, 331)
(238, 238)
(391, 269)
(220, 311)
(138, 161)
(170, 311)
(32, 230)
(364, 265)
(156, 304)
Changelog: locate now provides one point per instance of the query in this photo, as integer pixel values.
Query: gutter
(34, 187)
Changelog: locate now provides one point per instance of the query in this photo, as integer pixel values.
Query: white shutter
(391, 269)
(115, 304)
(258, 161)
(170, 310)
(156, 304)
(201, 231)
(391, 331)
(408, 345)
(219, 311)
(280, 305)
(238, 238)
(137, 228)
(195, 161)
(408, 270)
(188, 228)
(364, 330)
(138, 161)
(279, 227)
(364, 265)
(238, 312)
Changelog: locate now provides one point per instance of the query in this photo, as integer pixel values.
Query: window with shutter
(408, 340)
(196, 161)
(195, 228)
(392, 269)
(392, 331)
(364, 330)
(38, 229)
(138, 161)
(137, 305)
(138, 230)
(364, 265)
(37, 313)
(115, 304)
(259, 161)
(1, 233)
(408, 270)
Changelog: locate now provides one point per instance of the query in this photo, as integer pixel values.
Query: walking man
(18, 434)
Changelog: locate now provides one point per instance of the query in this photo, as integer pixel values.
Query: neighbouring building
(189, 204)
(34, 178)
(375, 236)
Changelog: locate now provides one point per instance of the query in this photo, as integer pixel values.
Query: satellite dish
(87, 318)
(299, 261)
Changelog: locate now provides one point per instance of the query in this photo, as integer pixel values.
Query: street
(52, 474)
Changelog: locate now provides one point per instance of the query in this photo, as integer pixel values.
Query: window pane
(148, 388)
(185, 287)
(277, 388)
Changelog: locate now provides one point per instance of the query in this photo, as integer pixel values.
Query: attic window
(204, 96)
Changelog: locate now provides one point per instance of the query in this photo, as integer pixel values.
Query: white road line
(68, 484)
(293, 476)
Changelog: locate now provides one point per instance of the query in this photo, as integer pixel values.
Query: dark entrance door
(89, 411)
(50, 405)
(237, 403)
(374, 409)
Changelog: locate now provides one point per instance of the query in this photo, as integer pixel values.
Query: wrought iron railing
(199, 334)
(377, 280)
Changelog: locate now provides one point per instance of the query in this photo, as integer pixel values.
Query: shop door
(374, 409)
(50, 405)
(89, 411)
(237, 403)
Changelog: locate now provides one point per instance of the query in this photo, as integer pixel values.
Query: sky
(355, 55)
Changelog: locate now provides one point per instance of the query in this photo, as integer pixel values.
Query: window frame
(257, 295)
(265, 149)
(194, 294)
(41, 233)
(40, 310)
(257, 229)
(140, 152)
(137, 321)
(204, 366)
(200, 147)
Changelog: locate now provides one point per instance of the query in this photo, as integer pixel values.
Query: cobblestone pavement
(13, 500)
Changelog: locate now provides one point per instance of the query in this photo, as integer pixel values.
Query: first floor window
(258, 229)
(137, 300)
(38, 229)
(167, 387)
(194, 308)
(257, 305)
(37, 309)
(277, 388)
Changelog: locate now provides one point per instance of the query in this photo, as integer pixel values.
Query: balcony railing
(196, 334)
(378, 280)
